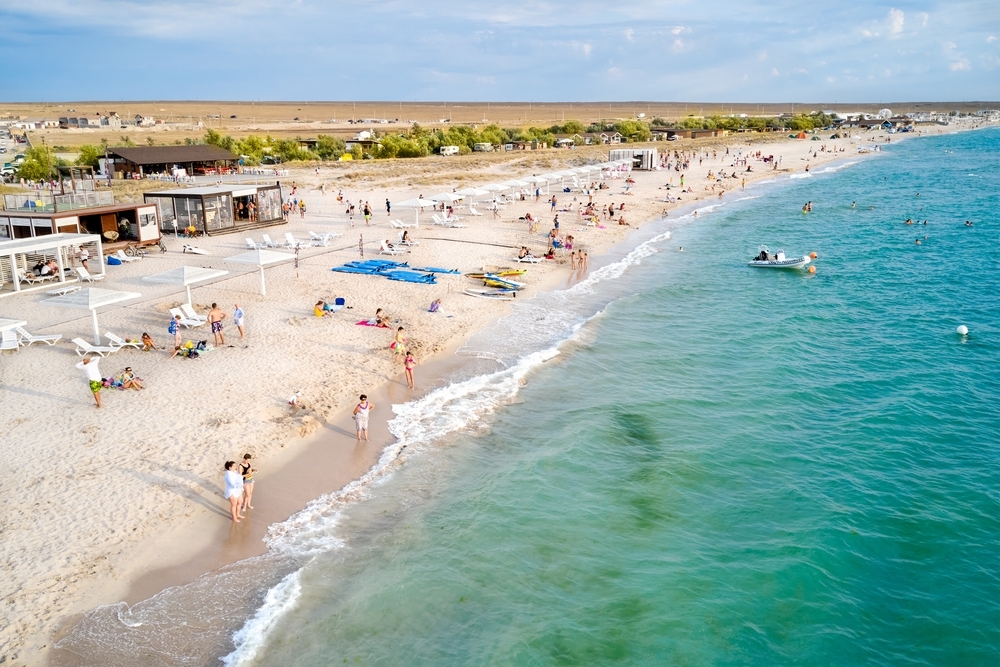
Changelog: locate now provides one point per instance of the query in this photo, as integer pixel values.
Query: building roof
(178, 154)
(235, 190)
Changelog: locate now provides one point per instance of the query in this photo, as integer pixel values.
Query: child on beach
(147, 343)
(408, 364)
(247, 470)
(398, 345)
(175, 329)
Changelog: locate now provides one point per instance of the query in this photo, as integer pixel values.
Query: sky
(508, 50)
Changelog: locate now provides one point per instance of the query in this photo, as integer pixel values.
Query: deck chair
(387, 250)
(191, 314)
(125, 258)
(8, 341)
(291, 241)
(85, 274)
(268, 243)
(411, 242)
(186, 321)
(118, 342)
(29, 339)
(529, 259)
(252, 245)
(473, 211)
(32, 279)
(83, 348)
(399, 224)
(437, 220)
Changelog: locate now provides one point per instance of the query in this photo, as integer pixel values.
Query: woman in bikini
(247, 470)
(408, 364)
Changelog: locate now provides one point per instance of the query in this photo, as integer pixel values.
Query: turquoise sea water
(725, 466)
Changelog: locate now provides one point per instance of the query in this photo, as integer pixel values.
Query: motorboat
(765, 259)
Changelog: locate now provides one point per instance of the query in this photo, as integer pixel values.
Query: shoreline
(152, 568)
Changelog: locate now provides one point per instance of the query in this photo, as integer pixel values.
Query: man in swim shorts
(215, 317)
(91, 367)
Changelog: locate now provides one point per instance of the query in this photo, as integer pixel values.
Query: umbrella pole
(188, 288)
(97, 331)
(263, 289)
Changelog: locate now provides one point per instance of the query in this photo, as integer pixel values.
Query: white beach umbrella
(447, 196)
(91, 298)
(7, 325)
(472, 192)
(186, 276)
(260, 259)
(515, 183)
(417, 205)
(494, 187)
(536, 179)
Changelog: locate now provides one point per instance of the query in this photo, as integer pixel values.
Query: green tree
(88, 156)
(126, 141)
(329, 148)
(38, 164)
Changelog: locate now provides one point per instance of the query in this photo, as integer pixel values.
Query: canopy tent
(57, 245)
(260, 259)
(515, 183)
(7, 325)
(186, 276)
(494, 187)
(472, 192)
(417, 205)
(91, 298)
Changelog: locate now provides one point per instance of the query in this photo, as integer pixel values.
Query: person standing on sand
(398, 344)
(175, 329)
(361, 412)
(215, 317)
(84, 256)
(408, 364)
(92, 368)
(238, 319)
(388, 208)
(247, 470)
(234, 490)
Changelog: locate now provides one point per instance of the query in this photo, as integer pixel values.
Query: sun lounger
(125, 258)
(118, 342)
(399, 224)
(529, 259)
(32, 279)
(29, 339)
(83, 348)
(252, 245)
(407, 243)
(190, 313)
(473, 211)
(386, 249)
(268, 243)
(194, 249)
(85, 274)
(65, 289)
(322, 239)
(8, 341)
(292, 242)
(186, 321)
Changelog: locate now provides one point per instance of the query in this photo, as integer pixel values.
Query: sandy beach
(118, 503)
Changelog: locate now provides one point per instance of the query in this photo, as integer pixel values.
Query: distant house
(363, 135)
(611, 137)
(113, 121)
(144, 121)
(308, 144)
(483, 147)
(448, 150)
(366, 144)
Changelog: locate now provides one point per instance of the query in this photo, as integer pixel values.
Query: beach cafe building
(36, 214)
(176, 160)
(218, 209)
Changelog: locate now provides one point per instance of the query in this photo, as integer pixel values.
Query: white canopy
(515, 183)
(536, 179)
(447, 196)
(473, 192)
(91, 298)
(260, 259)
(417, 205)
(7, 325)
(494, 187)
(186, 276)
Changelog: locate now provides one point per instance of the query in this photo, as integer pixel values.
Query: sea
(675, 459)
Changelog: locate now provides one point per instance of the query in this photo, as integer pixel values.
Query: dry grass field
(307, 119)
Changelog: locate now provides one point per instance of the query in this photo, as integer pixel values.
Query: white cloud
(774, 71)
(830, 79)
(799, 70)
(615, 72)
(959, 65)
(677, 46)
(991, 38)
(762, 55)
(583, 46)
(868, 34)
(679, 30)
(923, 19)
(895, 22)
(989, 61)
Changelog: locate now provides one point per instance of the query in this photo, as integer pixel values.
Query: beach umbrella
(515, 183)
(91, 298)
(7, 325)
(416, 204)
(536, 179)
(186, 276)
(494, 187)
(447, 196)
(260, 259)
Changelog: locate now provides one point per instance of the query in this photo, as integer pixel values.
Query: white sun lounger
(125, 258)
(399, 224)
(409, 243)
(387, 250)
(118, 342)
(268, 243)
(191, 314)
(8, 341)
(29, 338)
(473, 211)
(322, 239)
(253, 245)
(187, 322)
(292, 242)
(85, 274)
(31, 280)
(83, 348)
(529, 259)
(65, 289)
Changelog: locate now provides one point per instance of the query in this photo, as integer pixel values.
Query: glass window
(4, 228)
(269, 204)
(218, 212)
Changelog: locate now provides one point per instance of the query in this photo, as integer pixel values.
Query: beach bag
(114, 261)
(192, 354)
